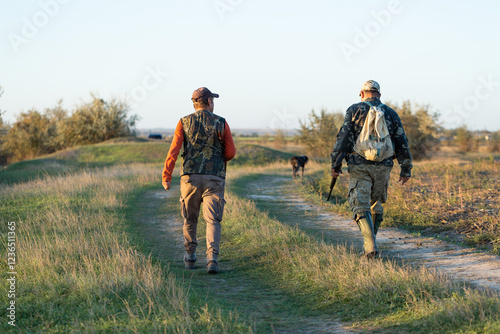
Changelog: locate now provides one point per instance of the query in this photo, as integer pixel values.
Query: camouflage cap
(370, 85)
(202, 94)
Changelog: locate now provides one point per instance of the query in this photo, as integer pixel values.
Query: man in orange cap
(208, 145)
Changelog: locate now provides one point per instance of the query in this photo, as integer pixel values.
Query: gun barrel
(332, 184)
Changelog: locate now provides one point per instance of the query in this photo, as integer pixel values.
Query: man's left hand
(166, 185)
(403, 179)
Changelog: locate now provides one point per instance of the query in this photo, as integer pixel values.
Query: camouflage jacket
(203, 151)
(349, 132)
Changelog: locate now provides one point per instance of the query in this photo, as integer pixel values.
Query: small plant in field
(494, 142)
(279, 139)
(465, 140)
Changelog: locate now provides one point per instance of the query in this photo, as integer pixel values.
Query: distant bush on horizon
(36, 133)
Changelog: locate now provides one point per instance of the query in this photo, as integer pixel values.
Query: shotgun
(332, 184)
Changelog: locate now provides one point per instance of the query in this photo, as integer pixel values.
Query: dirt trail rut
(461, 263)
(244, 294)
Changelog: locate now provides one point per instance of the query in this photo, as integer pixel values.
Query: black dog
(297, 162)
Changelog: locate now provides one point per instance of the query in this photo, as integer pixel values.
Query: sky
(272, 62)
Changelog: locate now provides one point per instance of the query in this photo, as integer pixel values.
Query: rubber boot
(377, 220)
(366, 227)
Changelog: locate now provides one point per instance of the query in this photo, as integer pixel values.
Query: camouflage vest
(203, 152)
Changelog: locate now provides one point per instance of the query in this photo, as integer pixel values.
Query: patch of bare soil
(164, 234)
(459, 262)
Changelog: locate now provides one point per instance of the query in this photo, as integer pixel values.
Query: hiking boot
(189, 260)
(366, 226)
(369, 256)
(212, 267)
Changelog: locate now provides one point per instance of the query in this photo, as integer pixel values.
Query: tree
(421, 128)
(4, 129)
(494, 142)
(31, 135)
(35, 133)
(465, 140)
(97, 121)
(318, 133)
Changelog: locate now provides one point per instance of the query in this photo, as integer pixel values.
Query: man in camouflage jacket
(368, 180)
(208, 145)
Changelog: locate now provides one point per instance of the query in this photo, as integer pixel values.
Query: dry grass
(460, 200)
(378, 293)
(77, 269)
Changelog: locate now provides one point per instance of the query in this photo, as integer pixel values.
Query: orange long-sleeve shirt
(227, 143)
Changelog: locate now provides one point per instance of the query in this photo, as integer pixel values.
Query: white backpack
(374, 142)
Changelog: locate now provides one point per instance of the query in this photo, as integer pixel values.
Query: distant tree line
(35, 133)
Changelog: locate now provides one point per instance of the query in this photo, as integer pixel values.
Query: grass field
(458, 202)
(85, 265)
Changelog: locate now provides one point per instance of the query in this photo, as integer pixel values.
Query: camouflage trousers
(209, 190)
(368, 188)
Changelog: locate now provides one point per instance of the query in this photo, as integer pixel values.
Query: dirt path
(275, 191)
(272, 311)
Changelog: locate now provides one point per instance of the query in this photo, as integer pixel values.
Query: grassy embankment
(77, 268)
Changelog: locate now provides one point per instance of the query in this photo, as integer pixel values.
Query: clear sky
(270, 61)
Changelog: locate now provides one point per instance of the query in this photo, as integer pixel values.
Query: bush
(36, 133)
(4, 129)
(97, 121)
(465, 140)
(279, 139)
(32, 134)
(319, 132)
(421, 127)
(494, 142)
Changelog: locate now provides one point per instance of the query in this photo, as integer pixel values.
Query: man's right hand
(335, 174)
(403, 179)
(166, 185)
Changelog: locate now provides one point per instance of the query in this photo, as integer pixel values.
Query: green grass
(85, 265)
(256, 155)
(377, 295)
(118, 151)
(255, 301)
(78, 271)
